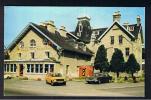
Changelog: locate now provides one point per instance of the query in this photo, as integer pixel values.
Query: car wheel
(64, 83)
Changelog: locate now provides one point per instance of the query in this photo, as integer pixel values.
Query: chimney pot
(42, 24)
(126, 24)
(50, 26)
(138, 20)
(63, 28)
(116, 16)
(62, 31)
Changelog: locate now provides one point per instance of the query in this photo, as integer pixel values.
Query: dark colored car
(99, 78)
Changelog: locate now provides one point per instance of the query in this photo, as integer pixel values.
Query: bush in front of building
(101, 62)
(121, 80)
(141, 78)
(132, 66)
(82, 78)
(117, 62)
(38, 79)
(23, 78)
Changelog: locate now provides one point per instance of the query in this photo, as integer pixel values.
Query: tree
(117, 62)
(132, 66)
(101, 61)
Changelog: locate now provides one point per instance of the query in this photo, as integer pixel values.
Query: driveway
(14, 87)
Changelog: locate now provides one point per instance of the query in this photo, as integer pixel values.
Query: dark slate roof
(101, 31)
(61, 41)
(136, 30)
(86, 31)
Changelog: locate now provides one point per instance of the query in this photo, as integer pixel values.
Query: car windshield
(99, 74)
(57, 75)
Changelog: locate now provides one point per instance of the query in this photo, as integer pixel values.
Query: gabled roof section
(62, 41)
(23, 33)
(121, 27)
(59, 41)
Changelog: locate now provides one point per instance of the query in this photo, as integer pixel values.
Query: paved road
(40, 88)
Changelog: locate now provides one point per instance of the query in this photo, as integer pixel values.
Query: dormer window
(131, 28)
(80, 30)
(32, 43)
(80, 27)
(21, 44)
(79, 34)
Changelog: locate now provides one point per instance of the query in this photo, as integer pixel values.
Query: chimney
(80, 18)
(43, 24)
(50, 26)
(63, 31)
(138, 20)
(116, 16)
(126, 25)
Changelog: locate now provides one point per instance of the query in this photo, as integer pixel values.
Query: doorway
(21, 67)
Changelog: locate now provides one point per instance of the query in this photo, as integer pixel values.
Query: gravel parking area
(13, 87)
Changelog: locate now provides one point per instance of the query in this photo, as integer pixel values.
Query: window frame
(19, 54)
(7, 68)
(47, 54)
(37, 68)
(11, 67)
(32, 55)
(120, 39)
(112, 40)
(32, 43)
(45, 42)
(21, 44)
(127, 51)
(131, 28)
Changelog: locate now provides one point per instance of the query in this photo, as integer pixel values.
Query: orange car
(55, 78)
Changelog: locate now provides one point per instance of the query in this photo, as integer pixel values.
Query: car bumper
(59, 82)
(92, 81)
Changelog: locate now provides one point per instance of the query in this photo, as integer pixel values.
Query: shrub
(23, 78)
(141, 78)
(38, 79)
(80, 78)
(117, 62)
(130, 80)
(120, 80)
(113, 79)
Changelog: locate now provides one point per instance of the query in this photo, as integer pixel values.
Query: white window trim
(9, 65)
(131, 28)
(43, 69)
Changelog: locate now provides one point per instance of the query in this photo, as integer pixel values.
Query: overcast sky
(17, 17)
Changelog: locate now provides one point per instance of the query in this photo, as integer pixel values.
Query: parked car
(99, 78)
(55, 78)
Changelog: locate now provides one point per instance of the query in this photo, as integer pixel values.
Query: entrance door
(21, 70)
